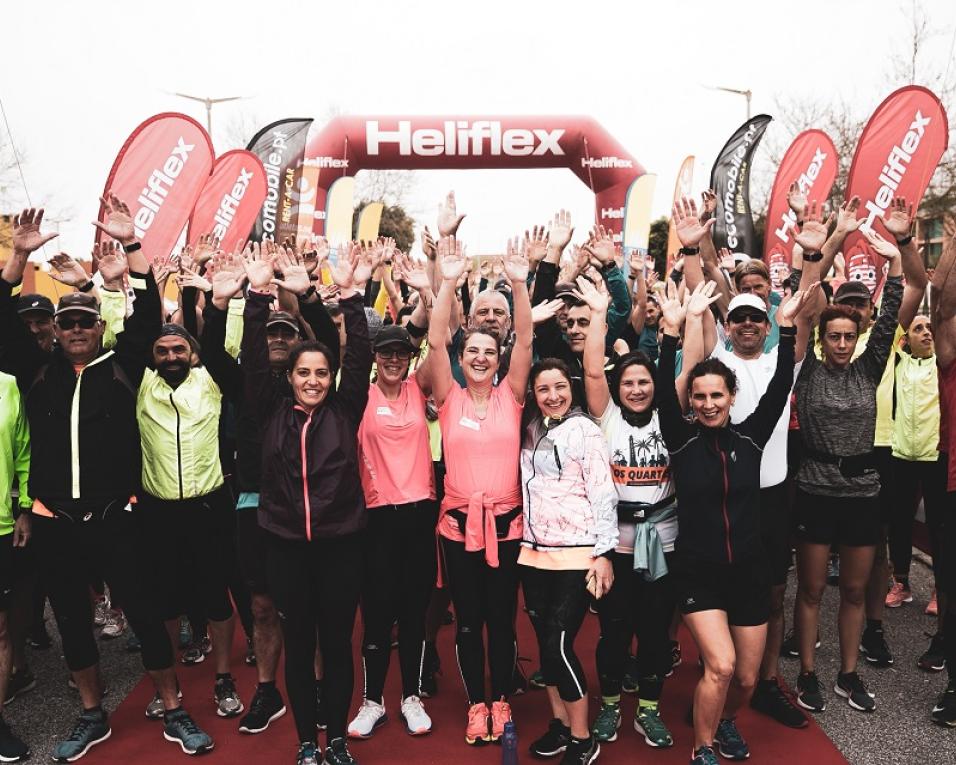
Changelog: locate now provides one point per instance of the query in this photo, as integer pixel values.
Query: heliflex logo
(463, 138)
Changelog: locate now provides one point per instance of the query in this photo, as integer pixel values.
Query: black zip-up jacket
(717, 470)
(310, 486)
(227, 369)
(102, 464)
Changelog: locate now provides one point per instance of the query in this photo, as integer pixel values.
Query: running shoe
(39, 638)
(874, 648)
(155, 709)
(934, 660)
(850, 686)
(770, 699)
(228, 703)
(266, 707)
(22, 681)
(185, 632)
(581, 752)
(181, 729)
(932, 608)
(320, 721)
(115, 625)
(479, 722)
(704, 755)
(308, 754)
(197, 651)
(91, 728)
(898, 595)
(12, 749)
(809, 695)
(648, 723)
(431, 666)
(370, 716)
(833, 570)
(250, 653)
(944, 713)
(536, 680)
(337, 753)
(730, 743)
(101, 610)
(676, 657)
(500, 714)
(607, 722)
(553, 742)
(417, 721)
(790, 648)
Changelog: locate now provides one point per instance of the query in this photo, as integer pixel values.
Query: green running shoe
(648, 723)
(91, 728)
(180, 729)
(607, 722)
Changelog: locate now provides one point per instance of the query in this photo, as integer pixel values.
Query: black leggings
(557, 602)
(68, 552)
(909, 479)
(398, 582)
(482, 596)
(315, 586)
(635, 606)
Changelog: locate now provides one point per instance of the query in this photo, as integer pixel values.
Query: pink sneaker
(476, 732)
(932, 608)
(898, 595)
(500, 714)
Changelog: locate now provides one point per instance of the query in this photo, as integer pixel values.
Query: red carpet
(138, 740)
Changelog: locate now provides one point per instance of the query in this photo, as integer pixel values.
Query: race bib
(467, 423)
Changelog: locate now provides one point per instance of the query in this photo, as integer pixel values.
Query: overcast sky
(78, 77)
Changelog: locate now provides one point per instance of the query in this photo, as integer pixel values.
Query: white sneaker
(155, 710)
(115, 625)
(369, 717)
(416, 718)
(101, 610)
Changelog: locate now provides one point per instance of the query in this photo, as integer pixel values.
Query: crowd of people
(557, 420)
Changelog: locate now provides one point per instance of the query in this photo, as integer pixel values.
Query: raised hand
(672, 310)
(708, 200)
(341, 270)
(26, 232)
(162, 268)
(451, 258)
(690, 230)
(545, 310)
(899, 222)
(411, 271)
(448, 218)
(847, 221)
(388, 249)
(600, 245)
(67, 271)
(597, 301)
(428, 244)
(258, 267)
(110, 262)
(206, 247)
(813, 233)
(560, 230)
(700, 299)
(791, 308)
(369, 258)
(295, 276)
(516, 264)
(536, 244)
(727, 262)
(187, 277)
(885, 249)
(635, 262)
(797, 199)
(119, 222)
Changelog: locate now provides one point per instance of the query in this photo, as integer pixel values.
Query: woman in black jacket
(721, 575)
(311, 506)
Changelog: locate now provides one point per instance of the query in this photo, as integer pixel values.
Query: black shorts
(252, 550)
(849, 521)
(6, 571)
(884, 466)
(775, 530)
(741, 589)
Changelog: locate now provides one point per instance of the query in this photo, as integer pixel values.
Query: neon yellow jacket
(179, 432)
(14, 451)
(916, 425)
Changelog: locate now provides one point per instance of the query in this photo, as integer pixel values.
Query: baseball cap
(747, 300)
(393, 334)
(853, 289)
(78, 301)
(283, 317)
(34, 302)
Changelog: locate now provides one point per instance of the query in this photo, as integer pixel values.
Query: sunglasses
(84, 322)
(395, 354)
(739, 317)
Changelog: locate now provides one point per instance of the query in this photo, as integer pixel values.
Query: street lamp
(209, 104)
(748, 94)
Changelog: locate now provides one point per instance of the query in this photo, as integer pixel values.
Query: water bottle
(509, 745)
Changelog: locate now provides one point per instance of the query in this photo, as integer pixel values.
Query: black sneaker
(944, 713)
(309, 754)
(21, 682)
(730, 743)
(809, 695)
(552, 743)
(770, 699)
(790, 648)
(934, 660)
(337, 753)
(874, 648)
(431, 666)
(250, 653)
(265, 707)
(320, 722)
(675, 657)
(12, 749)
(851, 687)
(228, 703)
(581, 751)
(704, 755)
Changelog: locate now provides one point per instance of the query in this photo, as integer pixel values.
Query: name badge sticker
(467, 423)
(383, 411)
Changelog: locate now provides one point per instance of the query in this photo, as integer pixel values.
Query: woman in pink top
(480, 517)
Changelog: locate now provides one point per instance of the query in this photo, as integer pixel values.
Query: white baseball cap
(747, 300)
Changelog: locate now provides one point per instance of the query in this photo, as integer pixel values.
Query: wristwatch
(689, 250)
(813, 257)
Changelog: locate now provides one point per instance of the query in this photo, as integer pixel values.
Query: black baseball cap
(35, 302)
(854, 289)
(78, 301)
(393, 334)
(283, 317)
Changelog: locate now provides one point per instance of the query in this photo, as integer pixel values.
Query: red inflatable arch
(349, 144)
